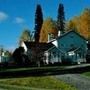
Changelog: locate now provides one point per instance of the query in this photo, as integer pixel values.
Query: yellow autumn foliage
(81, 24)
(48, 27)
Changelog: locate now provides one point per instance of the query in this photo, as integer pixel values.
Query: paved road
(77, 80)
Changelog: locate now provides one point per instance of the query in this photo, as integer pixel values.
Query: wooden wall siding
(54, 55)
(67, 43)
(71, 40)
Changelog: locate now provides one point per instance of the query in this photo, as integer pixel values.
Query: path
(77, 80)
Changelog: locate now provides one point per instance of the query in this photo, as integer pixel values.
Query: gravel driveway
(77, 80)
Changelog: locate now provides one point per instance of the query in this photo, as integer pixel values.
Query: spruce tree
(38, 22)
(61, 18)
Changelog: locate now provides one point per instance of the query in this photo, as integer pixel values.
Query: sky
(17, 15)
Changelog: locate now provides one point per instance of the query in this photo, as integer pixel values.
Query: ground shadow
(43, 72)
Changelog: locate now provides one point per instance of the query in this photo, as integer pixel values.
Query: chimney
(59, 33)
(48, 37)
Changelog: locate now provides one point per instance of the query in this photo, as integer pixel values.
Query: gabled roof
(47, 46)
(69, 33)
(56, 48)
(74, 49)
(41, 46)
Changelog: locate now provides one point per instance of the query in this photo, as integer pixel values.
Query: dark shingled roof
(41, 46)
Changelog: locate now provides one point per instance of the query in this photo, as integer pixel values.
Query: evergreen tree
(18, 55)
(38, 22)
(61, 18)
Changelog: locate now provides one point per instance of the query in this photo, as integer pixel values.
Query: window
(54, 54)
(71, 36)
(62, 45)
(72, 45)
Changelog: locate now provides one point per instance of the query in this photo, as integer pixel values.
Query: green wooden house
(70, 47)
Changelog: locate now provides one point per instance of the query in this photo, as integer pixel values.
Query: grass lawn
(35, 83)
(86, 74)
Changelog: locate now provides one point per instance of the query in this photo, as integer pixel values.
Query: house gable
(24, 46)
(70, 40)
